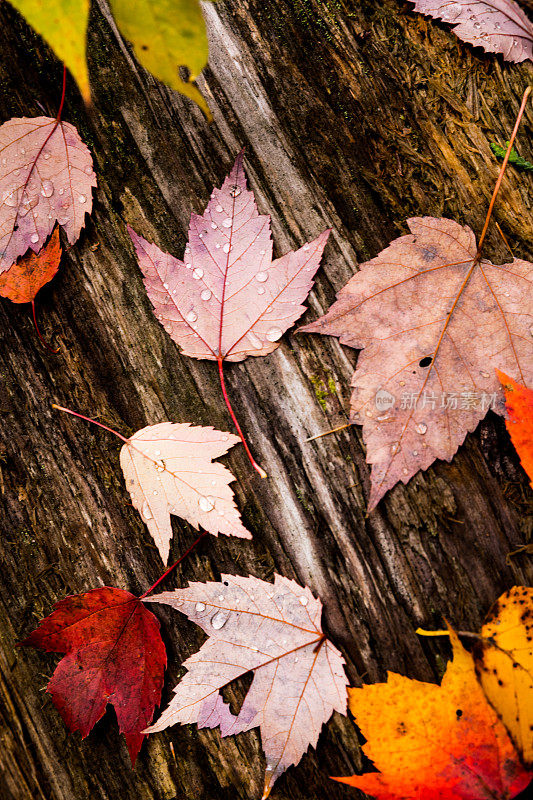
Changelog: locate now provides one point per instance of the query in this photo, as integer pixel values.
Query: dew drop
(88, 170)
(261, 277)
(219, 209)
(160, 467)
(61, 191)
(255, 341)
(10, 198)
(47, 189)
(165, 286)
(206, 503)
(261, 290)
(395, 449)
(305, 247)
(192, 316)
(235, 191)
(421, 427)
(155, 492)
(226, 248)
(34, 238)
(405, 471)
(262, 252)
(296, 660)
(200, 607)
(303, 600)
(82, 199)
(219, 619)
(369, 414)
(515, 42)
(415, 452)
(206, 294)
(16, 172)
(484, 374)
(497, 26)
(274, 334)
(197, 273)
(46, 156)
(146, 513)
(22, 151)
(227, 223)
(214, 226)
(217, 246)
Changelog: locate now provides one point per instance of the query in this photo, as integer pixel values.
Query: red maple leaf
(113, 654)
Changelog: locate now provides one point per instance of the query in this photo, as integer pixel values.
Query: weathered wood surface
(354, 115)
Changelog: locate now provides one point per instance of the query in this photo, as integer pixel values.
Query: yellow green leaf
(63, 24)
(166, 35)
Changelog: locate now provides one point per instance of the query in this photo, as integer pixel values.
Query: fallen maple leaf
(272, 630)
(24, 279)
(228, 300)
(519, 423)
(504, 664)
(437, 742)
(434, 322)
(114, 654)
(498, 26)
(46, 175)
(168, 470)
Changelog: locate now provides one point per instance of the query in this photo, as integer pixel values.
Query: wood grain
(354, 115)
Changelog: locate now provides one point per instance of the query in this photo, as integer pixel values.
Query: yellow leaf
(63, 24)
(504, 663)
(435, 742)
(166, 35)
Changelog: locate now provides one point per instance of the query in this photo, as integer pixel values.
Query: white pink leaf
(499, 26)
(272, 630)
(168, 469)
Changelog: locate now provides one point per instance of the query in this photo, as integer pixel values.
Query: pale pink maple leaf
(272, 630)
(169, 469)
(499, 26)
(46, 174)
(433, 322)
(227, 299)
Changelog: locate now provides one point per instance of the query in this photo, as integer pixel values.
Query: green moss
(323, 388)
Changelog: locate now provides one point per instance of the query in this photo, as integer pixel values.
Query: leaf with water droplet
(169, 469)
(253, 299)
(40, 183)
(228, 278)
(432, 322)
(23, 280)
(273, 631)
(498, 26)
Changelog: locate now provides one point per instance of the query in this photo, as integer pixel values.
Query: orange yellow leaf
(519, 405)
(24, 279)
(504, 663)
(435, 742)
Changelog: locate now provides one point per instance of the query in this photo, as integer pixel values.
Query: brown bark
(354, 115)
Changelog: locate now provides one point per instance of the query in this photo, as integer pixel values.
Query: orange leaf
(24, 279)
(435, 742)
(519, 405)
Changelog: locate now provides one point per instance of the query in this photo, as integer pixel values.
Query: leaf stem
(88, 419)
(63, 92)
(327, 433)
(38, 332)
(502, 170)
(174, 565)
(253, 462)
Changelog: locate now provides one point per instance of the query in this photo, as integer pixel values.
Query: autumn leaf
(46, 175)
(63, 25)
(504, 663)
(498, 26)
(433, 322)
(228, 300)
(114, 654)
(519, 405)
(168, 469)
(435, 742)
(272, 630)
(24, 279)
(167, 35)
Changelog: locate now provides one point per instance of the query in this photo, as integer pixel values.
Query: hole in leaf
(235, 691)
(425, 362)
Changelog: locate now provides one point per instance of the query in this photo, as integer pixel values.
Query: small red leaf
(24, 279)
(113, 654)
(519, 405)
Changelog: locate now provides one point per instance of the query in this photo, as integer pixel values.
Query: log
(355, 115)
